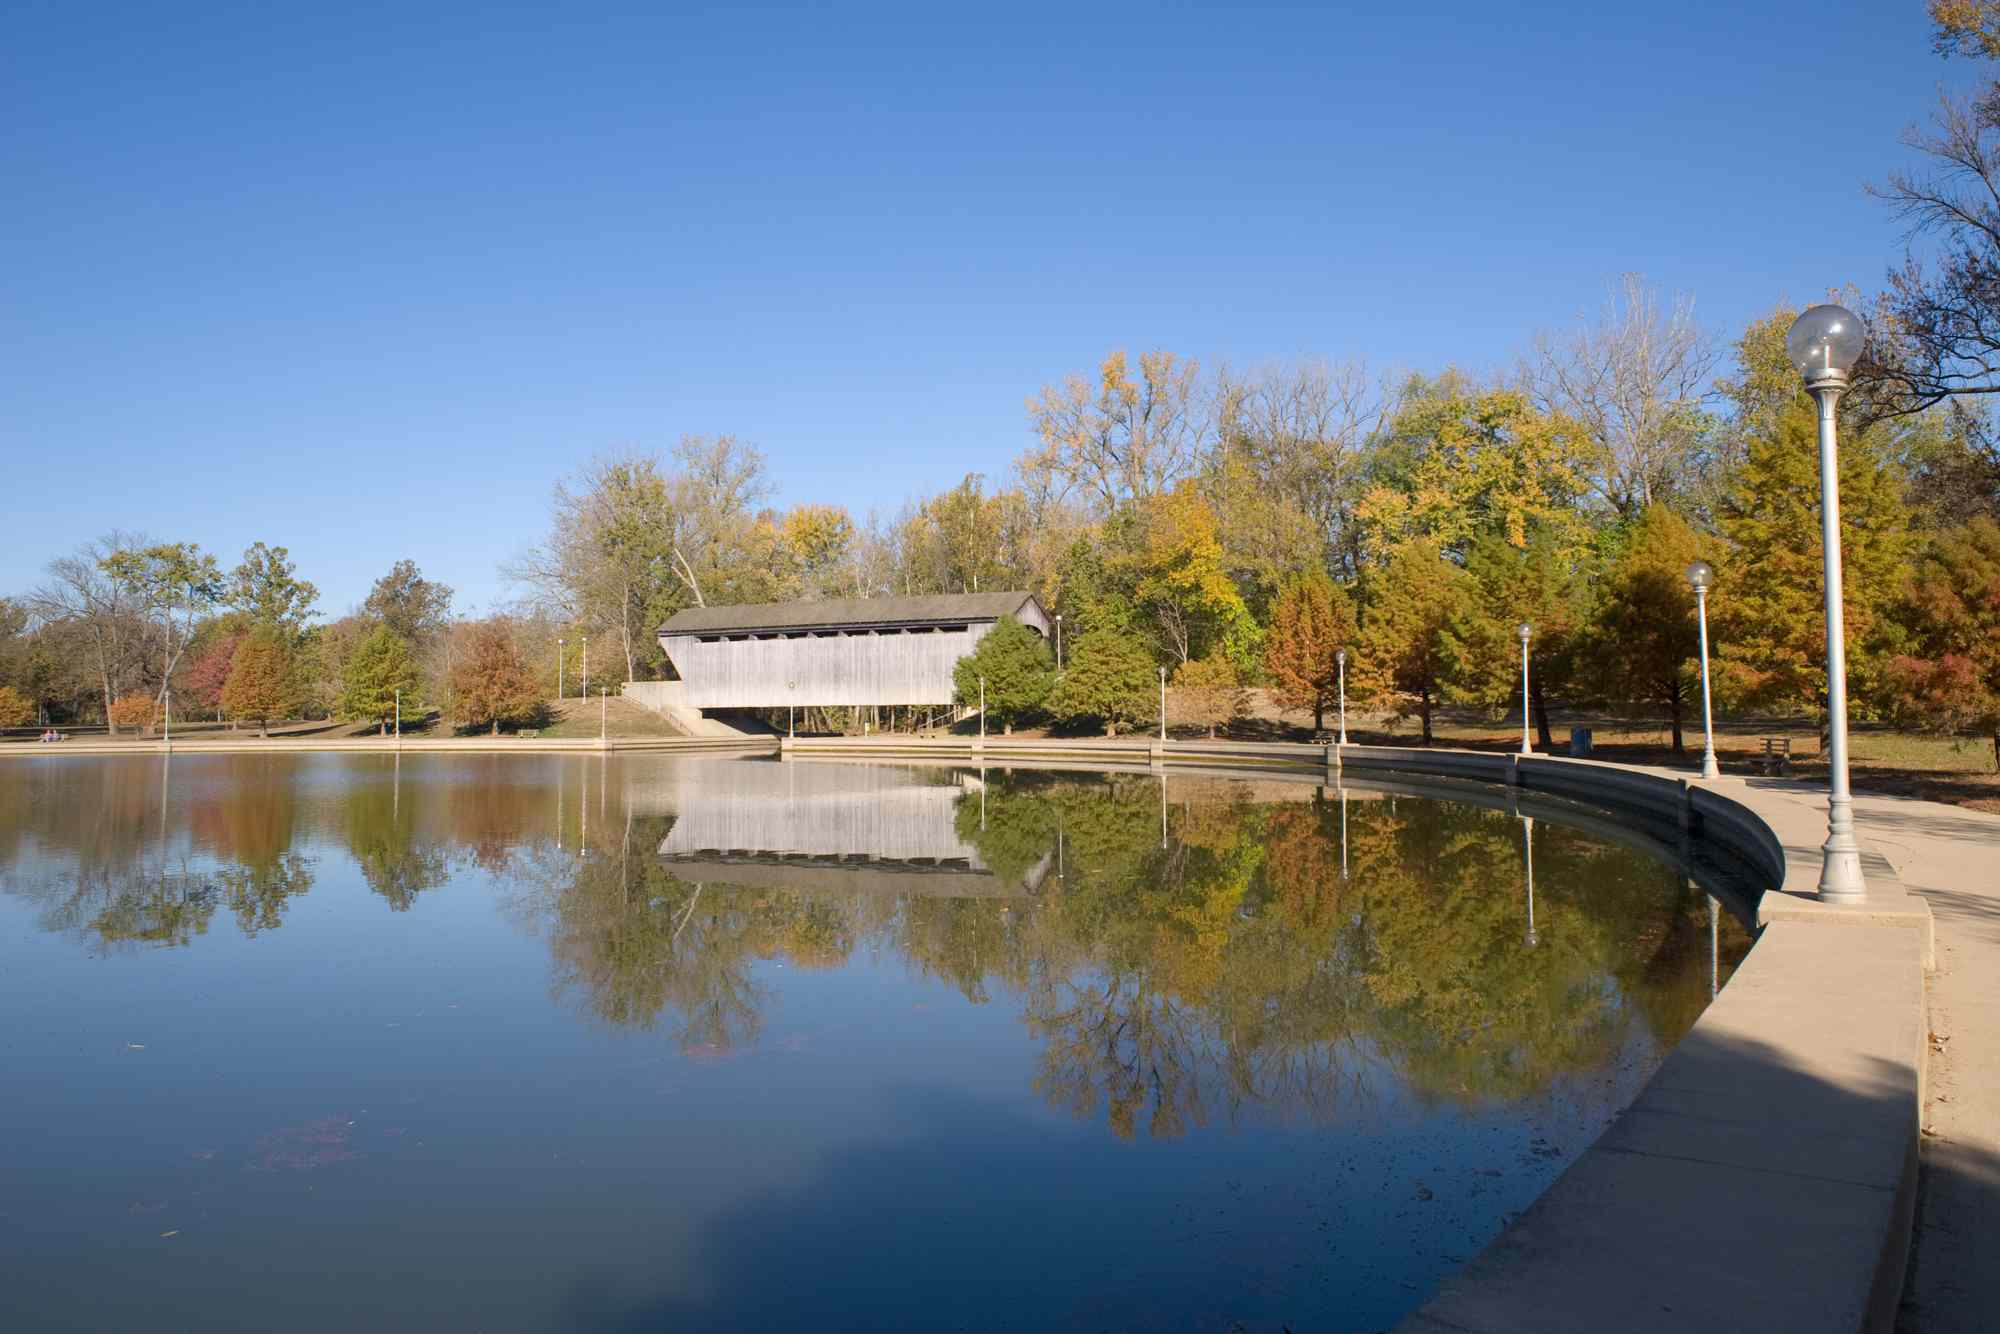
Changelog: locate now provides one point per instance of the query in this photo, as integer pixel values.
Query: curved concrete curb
(1765, 1178)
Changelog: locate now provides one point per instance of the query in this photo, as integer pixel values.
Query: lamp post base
(1840, 879)
(1709, 768)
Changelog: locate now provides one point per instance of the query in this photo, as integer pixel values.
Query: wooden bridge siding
(872, 668)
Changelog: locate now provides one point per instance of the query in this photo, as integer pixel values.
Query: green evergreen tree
(379, 667)
(1018, 670)
(1542, 582)
(1109, 678)
(1769, 602)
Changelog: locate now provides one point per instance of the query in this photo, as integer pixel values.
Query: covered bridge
(838, 652)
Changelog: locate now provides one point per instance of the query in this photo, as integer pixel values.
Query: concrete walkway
(1951, 857)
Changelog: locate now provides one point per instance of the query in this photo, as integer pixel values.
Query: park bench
(531, 731)
(1777, 756)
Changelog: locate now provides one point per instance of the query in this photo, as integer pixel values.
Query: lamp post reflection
(1528, 866)
(1714, 948)
(1343, 832)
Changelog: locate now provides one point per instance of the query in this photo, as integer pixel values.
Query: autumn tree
(266, 588)
(1643, 640)
(209, 672)
(961, 540)
(16, 709)
(1207, 692)
(1949, 679)
(1312, 621)
(1107, 677)
(1412, 601)
(260, 679)
(138, 711)
(1017, 668)
(819, 543)
(1118, 436)
(378, 671)
(490, 683)
(1459, 462)
(1181, 581)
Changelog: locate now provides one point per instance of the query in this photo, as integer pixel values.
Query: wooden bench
(1777, 756)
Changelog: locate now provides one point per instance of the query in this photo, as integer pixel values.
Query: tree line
(1240, 528)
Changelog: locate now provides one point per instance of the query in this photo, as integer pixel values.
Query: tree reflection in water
(1284, 948)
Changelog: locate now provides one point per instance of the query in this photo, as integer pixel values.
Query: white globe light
(1826, 341)
(1701, 575)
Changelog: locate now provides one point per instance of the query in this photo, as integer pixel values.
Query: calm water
(512, 1043)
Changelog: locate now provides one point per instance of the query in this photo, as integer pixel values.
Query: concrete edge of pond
(1765, 1178)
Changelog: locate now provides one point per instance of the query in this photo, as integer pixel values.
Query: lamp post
(559, 667)
(1340, 661)
(1058, 641)
(584, 693)
(399, 715)
(603, 713)
(1526, 631)
(1701, 577)
(1824, 344)
(1163, 706)
(168, 696)
(982, 710)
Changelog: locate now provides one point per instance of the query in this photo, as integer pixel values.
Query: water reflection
(1180, 949)
(1246, 969)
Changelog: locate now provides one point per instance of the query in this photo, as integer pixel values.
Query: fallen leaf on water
(171, 1232)
(135, 1046)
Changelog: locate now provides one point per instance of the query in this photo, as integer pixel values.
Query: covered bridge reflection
(844, 827)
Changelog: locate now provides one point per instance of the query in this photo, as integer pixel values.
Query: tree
(414, 607)
(1312, 621)
(1182, 582)
(1121, 438)
(1108, 677)
(819, 540)
(377, 671)
(1949, 680)
(1770, 609)
(266, 588)
(1018, 670)
(209, 671)
(80, 592)
(137, 710)
(1645, 639)
(1966, 27)
(16, 709)
(1412, 601)
(491, 683)
(260, 679)
(1636, 380)
(1459, 463)
(1209, 692)
(1537, 583)
(176, 582)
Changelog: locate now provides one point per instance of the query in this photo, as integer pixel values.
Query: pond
(555, 1042)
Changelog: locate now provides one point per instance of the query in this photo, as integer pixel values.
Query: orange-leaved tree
(260, 679)
(1312, 621)
(491, 683)
(135, 711)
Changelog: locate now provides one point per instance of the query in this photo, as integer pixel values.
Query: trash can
(1579, 741)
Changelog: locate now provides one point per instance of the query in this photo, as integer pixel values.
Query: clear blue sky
(365, 280)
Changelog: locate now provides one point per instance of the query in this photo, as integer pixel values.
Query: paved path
(1951, 856)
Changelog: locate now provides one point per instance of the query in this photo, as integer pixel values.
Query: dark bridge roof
(846, 613)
